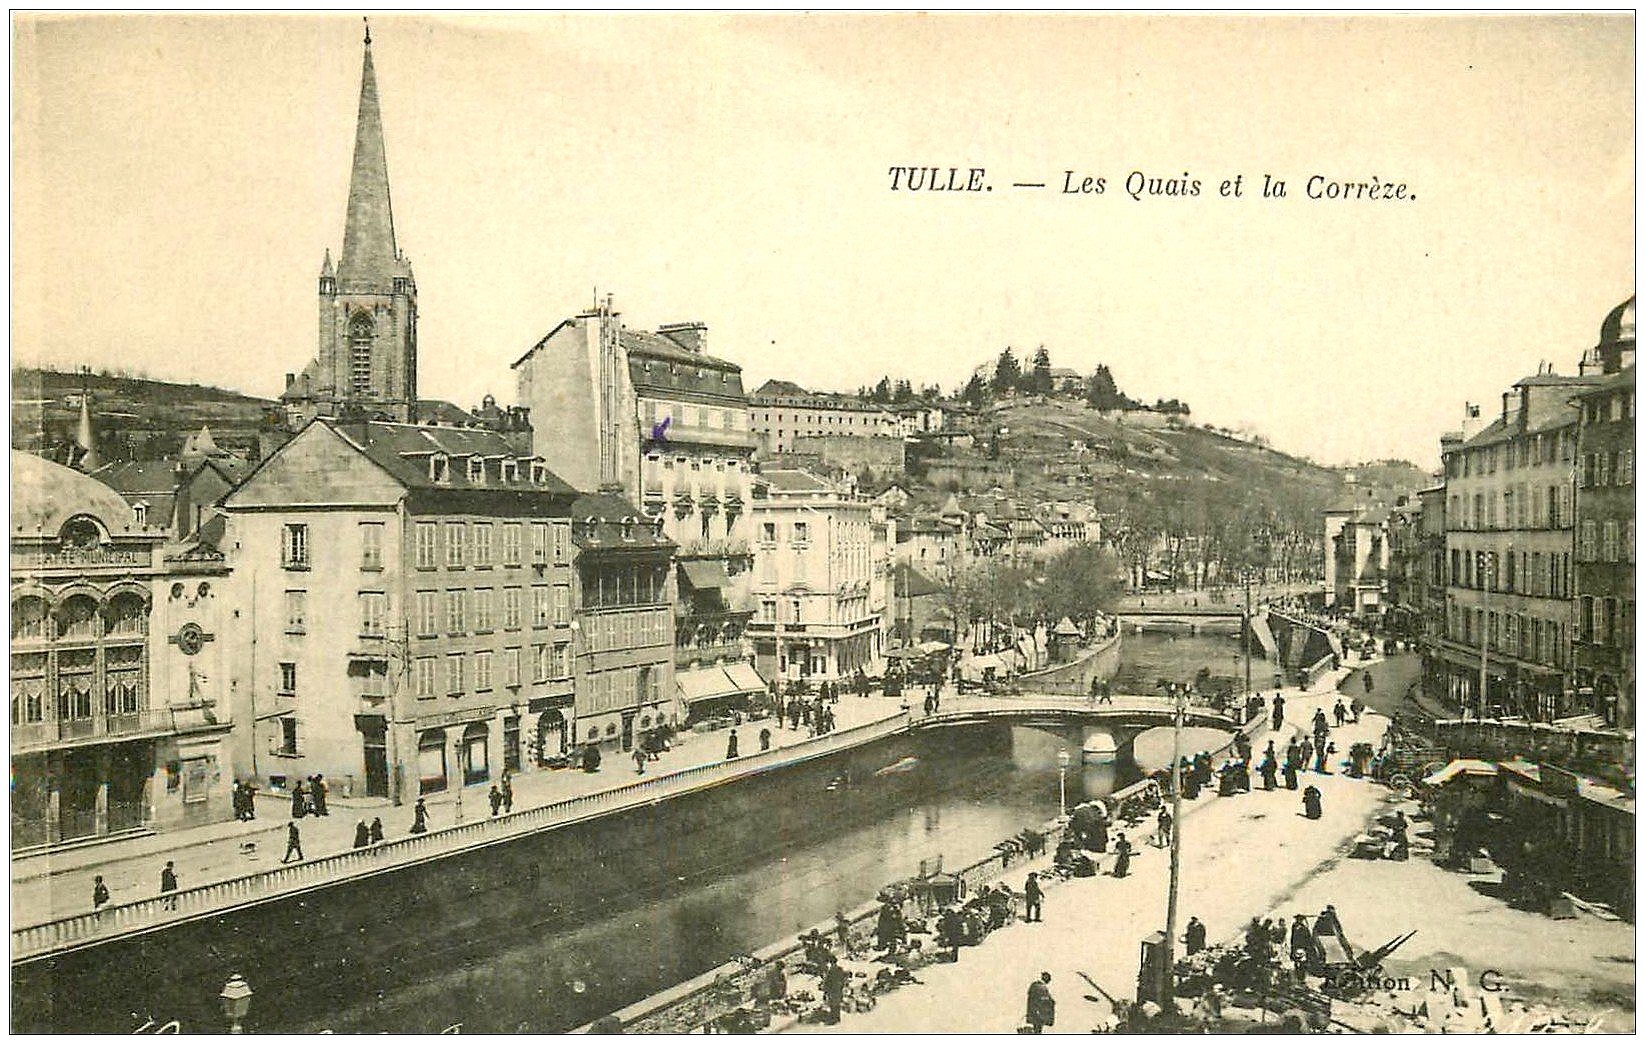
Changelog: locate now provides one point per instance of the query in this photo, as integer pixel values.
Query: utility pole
(1487, 571)
(1166, 982)
(1247, 641)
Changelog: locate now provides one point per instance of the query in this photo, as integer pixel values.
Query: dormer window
(539, 474)
(476, 470)
(439, 469)
(511, 470)
(627, 529)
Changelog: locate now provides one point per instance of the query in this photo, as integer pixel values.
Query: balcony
(43, 734)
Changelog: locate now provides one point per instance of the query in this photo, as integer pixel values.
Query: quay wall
(1074, 678)
(371, 919)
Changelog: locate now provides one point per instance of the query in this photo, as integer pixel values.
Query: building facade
(366, 359)
(1356, 553)
(121, 716)
(1508, 533)
(624, 624)
(780, 412)
(813, 581)
(408, 600)
(1603, 631)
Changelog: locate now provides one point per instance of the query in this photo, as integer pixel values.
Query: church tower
(367, 356)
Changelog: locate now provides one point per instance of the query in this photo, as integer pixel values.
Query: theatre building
(408, 590)
(120, 717)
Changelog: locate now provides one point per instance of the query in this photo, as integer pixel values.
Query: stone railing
(1100, 661)
(96, 926)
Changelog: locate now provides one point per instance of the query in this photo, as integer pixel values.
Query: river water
(738, 868)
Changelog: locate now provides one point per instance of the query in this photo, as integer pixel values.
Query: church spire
(369, 254)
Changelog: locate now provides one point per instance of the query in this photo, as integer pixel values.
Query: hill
(136, 417)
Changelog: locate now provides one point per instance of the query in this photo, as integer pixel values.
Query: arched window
(476, 759)
(126, 617)
(81, 532)
(360, 334)
(28, 619)
(77, 619)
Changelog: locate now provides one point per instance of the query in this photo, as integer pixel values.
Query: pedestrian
(842, 930)
(299, 804)
(1339, 712)
(239, 800)
(362, 835)
(1320, 757)
(168, 884)
(318, 788)
(1290, 773)
(1269, 766)
(99, 894)
(833, 990)
(1278, 710)
(251, 800)
(890, 927)
(1122, 855)
(1034, 899)
(1311, 803)
(376, 829)
(419, 823)
(1368, 688)
(294, 842)
(765, 739)
(731, 746)
(1106, 697)
(496, 795)
(1322, 727)
(1163, 827)
(1358, 708)
(1194, 935)
(1096, 683)
(1042, 1008)
(951, 933)
(639, 761)
(508, 792)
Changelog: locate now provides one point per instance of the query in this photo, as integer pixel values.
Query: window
(511, 667)
(539, 663)
(539, 543)
(476, 470)
(794, 613)
(562, 660)
(296, 611)
(802, 533)
(371, 547)
(428, 619)
(562, 605)
(288, 737)
(454, 675)
(482, 610)
(456, 537)
(768, 611)
(562, 544)
(456, 611)
(1587, 541)
(511, 544)
(511, 607)
(439, 468)
(768, 533)
(1612, 549)
(482, 545)
(371, 614)
(426, 543)
(422, 669)
(288, 678)
(539, 607)
(295, 550)
(482, 671)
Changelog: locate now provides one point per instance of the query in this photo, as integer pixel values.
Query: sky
(177, 179)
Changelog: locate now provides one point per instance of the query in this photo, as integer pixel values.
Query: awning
(705, 574)
(743, 676)
(1460, 767)
(696, 685)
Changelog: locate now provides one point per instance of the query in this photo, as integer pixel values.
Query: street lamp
(236, 998)
(1062, 782)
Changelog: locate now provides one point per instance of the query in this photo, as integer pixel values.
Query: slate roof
(796, 481)
(608, 513)
(402, 450)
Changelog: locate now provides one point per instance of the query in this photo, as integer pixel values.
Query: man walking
(317, 789)
(99, 894)
(508, 792)
(496, 796)
(1034, 899)
(294, 842)
(1193, 936)
(1042, 1008)
(1278, 710)
(168, 884)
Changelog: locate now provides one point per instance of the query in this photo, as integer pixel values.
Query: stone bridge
(1107, 728)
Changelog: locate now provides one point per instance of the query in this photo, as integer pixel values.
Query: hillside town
(235, 617)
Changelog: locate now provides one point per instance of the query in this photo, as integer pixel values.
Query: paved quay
(1240, 857)
(58, 885)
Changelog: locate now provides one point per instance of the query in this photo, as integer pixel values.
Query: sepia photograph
(884, 523)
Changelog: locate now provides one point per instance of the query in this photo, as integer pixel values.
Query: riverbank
(51, 895)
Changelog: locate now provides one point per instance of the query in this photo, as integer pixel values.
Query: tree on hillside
(902, 393)
(1039, 376)
(1007, 373)
(1101, 393)
(975, 392)
(882, 390)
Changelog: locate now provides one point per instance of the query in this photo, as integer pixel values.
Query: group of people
(309, 798)
(244, 797)
(933, 697)
(816, 714)
(502, 792)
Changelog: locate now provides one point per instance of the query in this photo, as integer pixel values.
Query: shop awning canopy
(705, 574)
(1460, 767)
(743, 676)
(697, 685)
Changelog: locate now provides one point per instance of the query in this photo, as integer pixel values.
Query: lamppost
(236, 1000)
(1062, 782)
(1166, 981)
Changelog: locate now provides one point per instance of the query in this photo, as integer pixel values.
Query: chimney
(692, 336)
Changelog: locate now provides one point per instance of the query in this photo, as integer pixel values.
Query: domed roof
(1618, 327)
(45, 495)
